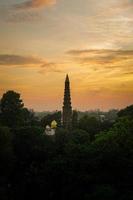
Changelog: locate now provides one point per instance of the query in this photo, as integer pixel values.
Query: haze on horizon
(91, 40)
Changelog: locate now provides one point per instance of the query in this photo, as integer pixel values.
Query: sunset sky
(91, 40)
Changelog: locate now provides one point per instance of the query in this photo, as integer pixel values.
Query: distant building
(67, 108)
(48, 130)
(53, 124)
(51, 130)
(102, 118)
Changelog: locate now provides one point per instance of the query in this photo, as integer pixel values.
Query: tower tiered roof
(67, 108)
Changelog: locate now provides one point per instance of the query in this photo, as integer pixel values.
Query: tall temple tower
(67, 108)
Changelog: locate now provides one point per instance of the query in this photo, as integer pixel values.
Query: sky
(43, 40)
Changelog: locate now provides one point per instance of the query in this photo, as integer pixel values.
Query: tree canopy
(91, 161)
(11, 107)
(13, 112)
(128, 112)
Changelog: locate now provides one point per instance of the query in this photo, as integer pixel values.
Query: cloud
(28, 16)
(111, 8)
(34, 4)
(43, 65)
(27, 11)
(11, 60)
(103, 56)
(51, 67)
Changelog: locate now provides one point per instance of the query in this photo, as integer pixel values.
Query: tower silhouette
(67, 108)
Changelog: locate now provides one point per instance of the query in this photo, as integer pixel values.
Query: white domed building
(50, 130)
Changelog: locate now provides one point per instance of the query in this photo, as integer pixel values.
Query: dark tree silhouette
(76, 164)
(90, 124)
(126, 112)
(75, 119)
(50, 117)
(11, 107)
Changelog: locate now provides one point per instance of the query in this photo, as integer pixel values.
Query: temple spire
(67, 78)
(67, 108)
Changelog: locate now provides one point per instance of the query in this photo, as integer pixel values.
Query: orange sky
(43, 40)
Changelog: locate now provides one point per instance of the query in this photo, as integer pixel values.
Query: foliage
(28, 118)
(6, 160)
(6, 150)
(89, 124)
(128, 112)
(13, 113)
(46, 120)
(11, 106)
(82, 163)
(75, 119)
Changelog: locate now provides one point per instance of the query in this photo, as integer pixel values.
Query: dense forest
(91, 161)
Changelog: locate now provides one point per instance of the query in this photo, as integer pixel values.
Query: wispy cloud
(43, 65)
(34, 4)
(27, 11)
(11, 60)
(28, 16)
(113, 7)
(51, 67)
(99, 57)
